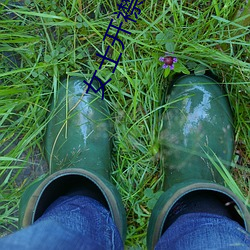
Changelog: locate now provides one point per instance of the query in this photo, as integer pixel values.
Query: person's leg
(78, 146)
(204, 231)
(71, 222)
(196, 138)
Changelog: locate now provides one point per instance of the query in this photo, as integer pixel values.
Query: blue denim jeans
(70, 223)
(204, 231)
(80, 222)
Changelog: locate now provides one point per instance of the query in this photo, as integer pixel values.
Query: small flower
(168, 60)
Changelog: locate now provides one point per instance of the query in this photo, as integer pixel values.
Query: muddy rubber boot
(197, 125)
(78, 149)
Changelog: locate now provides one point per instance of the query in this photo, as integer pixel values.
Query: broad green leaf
(169, 46)
(166, 72)
(148, 192)
(200, 70)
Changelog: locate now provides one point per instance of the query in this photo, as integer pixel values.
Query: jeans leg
(204, 231)
(76, 222)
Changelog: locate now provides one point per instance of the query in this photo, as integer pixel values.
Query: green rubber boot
(198, 122)
(78, 149)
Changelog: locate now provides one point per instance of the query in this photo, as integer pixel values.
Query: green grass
(52, 40)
